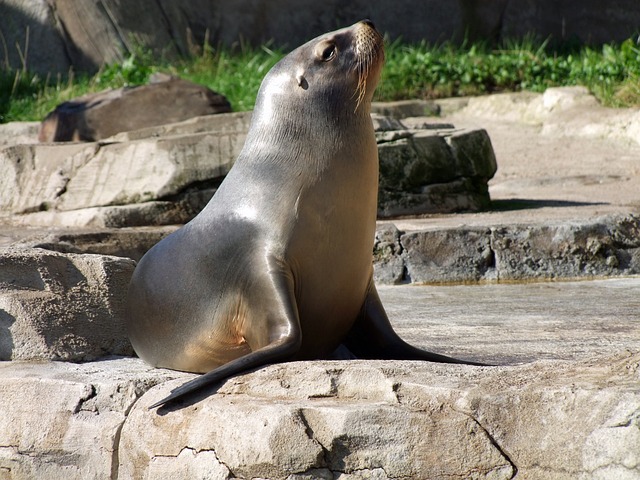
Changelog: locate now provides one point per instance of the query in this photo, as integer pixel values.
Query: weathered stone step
(606, 246)
(585, 248)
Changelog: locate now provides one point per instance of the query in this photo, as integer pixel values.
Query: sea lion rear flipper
(280, 338)
(373, 337)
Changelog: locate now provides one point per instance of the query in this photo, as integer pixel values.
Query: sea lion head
(332, 75)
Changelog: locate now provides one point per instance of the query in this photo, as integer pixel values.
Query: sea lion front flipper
(373, 337)
(278, 340)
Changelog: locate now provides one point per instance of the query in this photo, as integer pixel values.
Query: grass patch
(611, 72)
(422, 71)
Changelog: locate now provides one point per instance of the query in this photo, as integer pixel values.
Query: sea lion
(278, 265)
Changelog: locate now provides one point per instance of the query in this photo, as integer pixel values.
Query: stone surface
(517, 323)
(324, 420)
(608, 246)
(406, 108)
(563, 401)
(63, 420)
(440, 170)
(31, 37)
(85, 34)
(68, 184)
(36, 175)
(18, 133)
(561, 112)
(394, 419)
(62, 307)
(97, 116)
(131, 243)
(563, 21)
(420, 422)
(548, 187)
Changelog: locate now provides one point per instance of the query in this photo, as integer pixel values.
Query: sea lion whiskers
(368, 48)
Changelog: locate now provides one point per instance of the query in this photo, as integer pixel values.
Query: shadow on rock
(525, 204)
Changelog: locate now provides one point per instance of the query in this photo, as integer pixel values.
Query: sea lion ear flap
(302, 82)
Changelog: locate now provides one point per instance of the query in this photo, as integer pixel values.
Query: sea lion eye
(328, 53)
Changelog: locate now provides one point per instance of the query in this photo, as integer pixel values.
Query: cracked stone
(189, 463)
(62, 420)
(252, 439)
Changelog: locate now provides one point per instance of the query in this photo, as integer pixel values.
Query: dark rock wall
(55, 35)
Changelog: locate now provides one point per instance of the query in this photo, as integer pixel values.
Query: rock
(85, 35)
(516, 323)
(131, 243)
(272, 424)
(62, 306)
(227, 123)
(97, 183)
(406, 108)
(149, 169)
(18, 133)
(452, 256)
(101, 115)
(609, 246)
(34, 176)
(31, 38)
(427, 171)
(387, 258)
(180, 210)
(560, 111)
(560, 22)
(63, 420)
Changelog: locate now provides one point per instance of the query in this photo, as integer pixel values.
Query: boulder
(96, 116)
(62, 306)
(439, 170)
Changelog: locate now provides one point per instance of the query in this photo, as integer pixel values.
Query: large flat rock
(563, 402)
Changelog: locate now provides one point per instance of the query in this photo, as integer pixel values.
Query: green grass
(421, 71)
(611, 72)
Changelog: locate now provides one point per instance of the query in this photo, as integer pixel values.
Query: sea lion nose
(368, 23)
